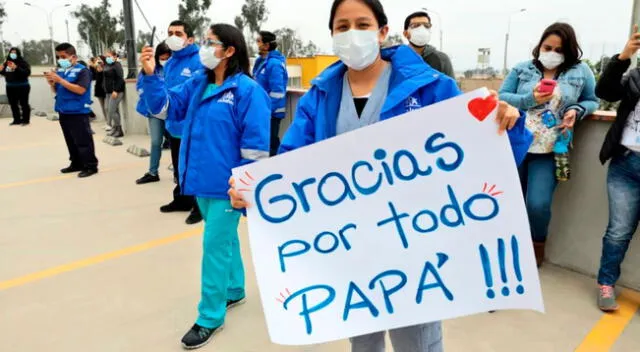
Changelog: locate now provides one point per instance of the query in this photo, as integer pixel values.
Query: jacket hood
(18, 51)
(276, 55)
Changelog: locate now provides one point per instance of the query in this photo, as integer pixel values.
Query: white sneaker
(107, 128)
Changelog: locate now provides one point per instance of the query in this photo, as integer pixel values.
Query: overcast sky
(467, 24)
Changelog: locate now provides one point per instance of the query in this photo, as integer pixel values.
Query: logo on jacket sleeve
(186, 72)
(413, 104)
(227, 98)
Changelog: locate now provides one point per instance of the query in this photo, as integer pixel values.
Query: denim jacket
(577, 86)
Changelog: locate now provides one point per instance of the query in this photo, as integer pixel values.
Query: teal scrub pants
(222, 269)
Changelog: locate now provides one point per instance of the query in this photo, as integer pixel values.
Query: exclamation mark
(503, 267)
(516, 264)
(488, 277)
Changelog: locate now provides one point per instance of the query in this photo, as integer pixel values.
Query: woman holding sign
(369, 85)
(556, 90)
(227, 124)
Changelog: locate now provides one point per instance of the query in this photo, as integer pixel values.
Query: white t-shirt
(631, 134)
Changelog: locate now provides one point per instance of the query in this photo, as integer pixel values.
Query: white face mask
(357, 49)
(208, 57)
(420, 36)
(175, 43)
(163, 62)
(551, 60)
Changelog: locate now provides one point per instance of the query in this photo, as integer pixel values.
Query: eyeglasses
(210, 42)
(417, 25)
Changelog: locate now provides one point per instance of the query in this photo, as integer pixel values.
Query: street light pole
(506, 40)
(49, 15)
(439, 22)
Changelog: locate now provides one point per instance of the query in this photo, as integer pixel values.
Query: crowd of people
(217, 114)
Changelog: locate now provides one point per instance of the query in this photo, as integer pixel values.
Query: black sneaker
(232, 304)
(194, 218)
(198, 337)
(87, 173)
(71, 169)
(174, 207)
(148, 178)
(14, 123)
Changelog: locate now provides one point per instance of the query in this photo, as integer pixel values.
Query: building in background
(302, 70)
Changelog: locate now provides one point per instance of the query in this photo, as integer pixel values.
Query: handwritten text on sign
(412, 220)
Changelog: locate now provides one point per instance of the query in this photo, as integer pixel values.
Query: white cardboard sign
(412, 220)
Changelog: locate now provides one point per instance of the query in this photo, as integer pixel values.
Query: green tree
(98, 28)
(193, 12)
(289, 43)
(310, 50)
(253, 15)
(37, 52)
(142, 40)
(3, 13)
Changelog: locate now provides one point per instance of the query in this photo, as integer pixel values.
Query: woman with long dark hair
(156, 125)
(114, 85)
(226, 116)
(551, 115)
(16, 72)
(366, 86)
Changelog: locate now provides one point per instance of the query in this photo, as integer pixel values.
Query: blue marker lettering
(415, 168)
(380, 155)
(347, 193)
(364, 303)
(365, 190)
(347, 245)
(284, 197)
(429, 268)
(455, 207)
(299, 188)
(281, 251)
(431, 215)
(479, 197)
(306, 310)
(336, 243)
(395, 218)
(432, 147)
(388, 292)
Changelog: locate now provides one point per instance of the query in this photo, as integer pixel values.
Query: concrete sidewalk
(144, 297)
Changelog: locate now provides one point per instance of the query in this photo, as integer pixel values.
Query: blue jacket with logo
(413, 85)
(68, 102)
(141, 107)
(182, 66)
(271, 73)
(577, 85)
(224, 128)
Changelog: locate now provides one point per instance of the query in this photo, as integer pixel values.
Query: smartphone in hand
(547, 86)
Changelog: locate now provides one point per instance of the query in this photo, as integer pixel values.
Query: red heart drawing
(480, 108)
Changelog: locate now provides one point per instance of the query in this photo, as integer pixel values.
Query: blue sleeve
(588, 102)
(278, 89)
(302, 131)
(255, 114)
(166, 104)
(520, 138)
(447, 88)
(509, 93)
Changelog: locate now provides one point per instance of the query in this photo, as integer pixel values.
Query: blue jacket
(271, 73)
(68, 102)
(182, 66)
(413, 85)
(141, 107)
(227, 128)
(577, 86)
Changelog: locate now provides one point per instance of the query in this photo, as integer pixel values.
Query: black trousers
(180, 199)
(19, 99)
(77, 134)
(275, 135)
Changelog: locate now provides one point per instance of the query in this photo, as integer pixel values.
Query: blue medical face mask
(64, 63)
(110, 60)
(13, 56)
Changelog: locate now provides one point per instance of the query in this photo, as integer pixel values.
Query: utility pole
(130, 39)
(68, 37)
